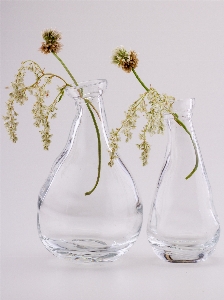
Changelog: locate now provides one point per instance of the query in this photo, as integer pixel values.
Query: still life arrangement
(98, 222)
(42, 113)
(183, 226)
(151, 105)
(95, 226)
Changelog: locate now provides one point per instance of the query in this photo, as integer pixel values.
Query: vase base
(86, 250)
(181, 256)
(178, 255)
(184, 251)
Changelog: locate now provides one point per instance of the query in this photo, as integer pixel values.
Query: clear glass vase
(183, 225)
(101, 226)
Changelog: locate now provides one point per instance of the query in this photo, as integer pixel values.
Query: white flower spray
(151, 105)
(42, 112)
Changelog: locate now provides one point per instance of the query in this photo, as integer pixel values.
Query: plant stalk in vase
(151, 104)
(42, 112)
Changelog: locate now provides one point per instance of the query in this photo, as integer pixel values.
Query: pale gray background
(181, 52)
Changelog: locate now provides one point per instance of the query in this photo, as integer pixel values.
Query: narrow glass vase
(103, 225)
(183, 225)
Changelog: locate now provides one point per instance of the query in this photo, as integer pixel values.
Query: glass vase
(183, 225)
(73, 222)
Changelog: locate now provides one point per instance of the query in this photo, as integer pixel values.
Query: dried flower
(153, 110)
(51, 36)
(10, 120)
(40, 110)
(51, 44)
(48, 48)
(153, 106)
(124, 59)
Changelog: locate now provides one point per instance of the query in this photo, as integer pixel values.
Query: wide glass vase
(84, 215)
(183, 225)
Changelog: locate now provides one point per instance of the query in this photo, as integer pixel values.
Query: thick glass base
(86, 250)
(182, 256)
(185, 251)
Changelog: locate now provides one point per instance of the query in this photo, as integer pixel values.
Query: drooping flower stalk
(94, 122)
(40, 110)
(159, 104)
(52, 38)
(178, 121)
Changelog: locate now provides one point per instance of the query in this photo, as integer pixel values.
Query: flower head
(51, 41)
(124, 59)
(51, 36)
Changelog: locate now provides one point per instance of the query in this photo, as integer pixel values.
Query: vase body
(88, 228)
(183, 225)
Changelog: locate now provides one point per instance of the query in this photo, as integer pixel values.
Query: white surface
(180, 47)
(138, 275)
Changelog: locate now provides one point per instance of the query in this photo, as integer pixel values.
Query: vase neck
(184, 108)
(89, 104)
(180, 148)
(89, 90)
(177, 132)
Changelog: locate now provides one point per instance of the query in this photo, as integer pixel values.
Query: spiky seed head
(51, 41)
(130, 63)
(119, 55)
(48, 48)
(51, 36)
(124, 59)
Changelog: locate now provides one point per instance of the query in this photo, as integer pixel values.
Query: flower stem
(176, 119)
(67, 70)
(93, 107)
(139, 79)
(88, 104)
(48, 74)
(195, 149)
(99, 148)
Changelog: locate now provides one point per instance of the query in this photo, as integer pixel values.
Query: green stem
(67, 70)
(47, 74)
(99, 148)
(139, 79)
(93, 107)
(195, 149)
(94, 121)
(179, 123)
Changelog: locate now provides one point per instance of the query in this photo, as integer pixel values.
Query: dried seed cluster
(51, 41)
(153, 106)
(124, 59)
(41, 111)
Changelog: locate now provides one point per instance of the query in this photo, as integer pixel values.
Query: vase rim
(185, 99)
(87, 83)
(90, 89)
(184, 105)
